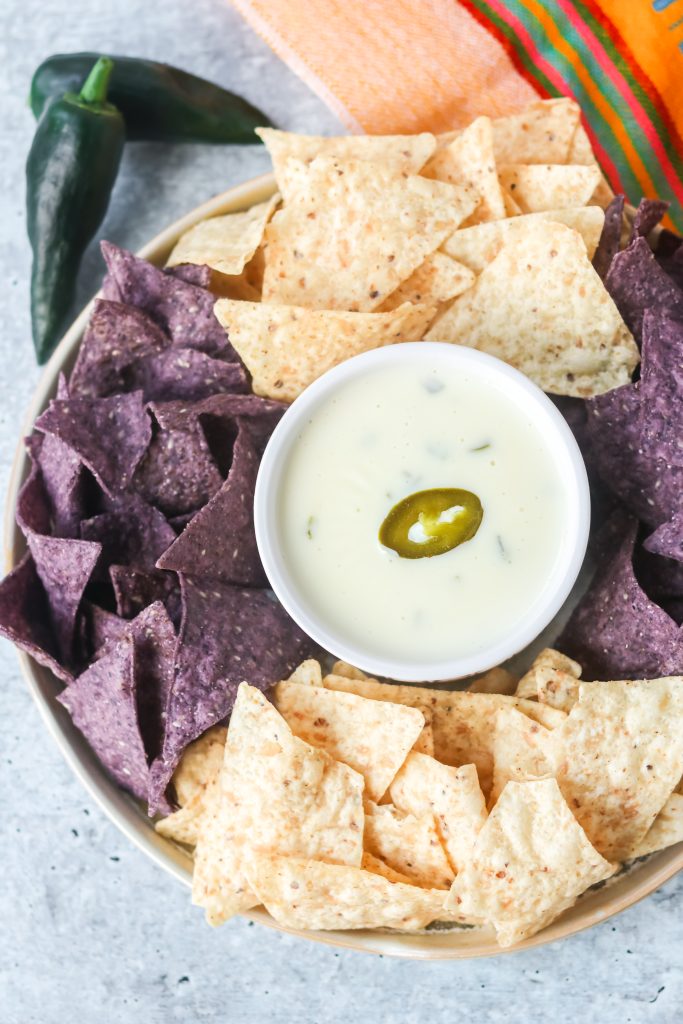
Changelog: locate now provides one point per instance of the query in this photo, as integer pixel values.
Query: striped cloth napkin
(413, 65)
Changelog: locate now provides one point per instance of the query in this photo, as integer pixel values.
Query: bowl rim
(128, 816)
(562, 448)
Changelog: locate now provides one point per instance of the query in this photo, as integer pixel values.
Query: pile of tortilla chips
(481, 238)
(351, 803)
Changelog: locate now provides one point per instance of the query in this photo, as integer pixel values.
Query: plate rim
(127, 815)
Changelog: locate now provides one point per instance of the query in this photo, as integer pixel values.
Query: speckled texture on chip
(220, 541)
(178, 473)
(133, 532)
(228, 634)
(636, 282)
(183, 310)
(136, 588)
(185, 374)
(610, 237)
(25, 617)
(109, 435)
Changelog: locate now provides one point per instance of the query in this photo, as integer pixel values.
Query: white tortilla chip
(498, 680)
(469, 160)
(274, 793)
(551, 679)
(538, 187)
(541, 307)
(463, 723)
(530, 862)
(308, 673)
(619, 757)
(452, 795)
(522, 750)
(424, 744)
(378, 867)
(286, 348)
(226, 243)
(581, 152)
(667, 828)
(476, 247)
(308, 894)
(438, 279)
(408, 843)
(342, 668)
(401, 154)
(353, 232)
(370, 736)
(539, 134)
(192, 782)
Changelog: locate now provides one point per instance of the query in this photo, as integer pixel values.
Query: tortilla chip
(371, 736)
(538, 187)
(178, 473)
(378, 867)
(408, 844)
(666, 830)
(438, 279)
(226, 243)
(463, 723)
(551, 679)
(511, 207)
(637, 284)
(354, 232)
(522, 750)
(276, 794)
(200, 763)
(342, 668)
(133, 533)
(182, 373)
(620, 754)
(541, 307)
(400, 154)
(453, 795)
(286, 348)
(498, 680)
(610, 237)
(530, 862)
(424, 744)
(308, 894)
(477, 246)
(308, 673)
(469, 160)
(25, 617)
(540, 134)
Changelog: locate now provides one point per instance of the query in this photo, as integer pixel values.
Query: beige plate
(131, 818)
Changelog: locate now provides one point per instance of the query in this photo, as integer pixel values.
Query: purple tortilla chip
(132, 532)
(184, 311)
(648, 216)
(64, 567)
(116, 336)
(192, 273)
(228, 635)
(616, 631)
(109, 435)
(33, 507)
(667, 540)
(25, 617)
(155, 643)
(185, 374)
(636, 282)
(178, 473)
(180, 522)
(661, 578)
(220, 541)
(610, 236)
(661, 387)
(135, 589)
(101, 628)
(103, 705)
(63, 477)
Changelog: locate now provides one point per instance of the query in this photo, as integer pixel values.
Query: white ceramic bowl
(545, 419)
(130, 817)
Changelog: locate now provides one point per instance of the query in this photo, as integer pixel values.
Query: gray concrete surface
(90, 931)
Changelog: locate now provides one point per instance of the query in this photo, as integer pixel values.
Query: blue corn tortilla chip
(636, 282)
(63, 477)
(109, 435)
(132, 532)
(610, 236)
(155, 640)
(117, 335)
(661, 578)
(25, 617)
(103, 705)
(661, 386)
(135, 589)
(220, 542)
(64, 567)
(192, 273)
(33, 506)
(648, 216)
(183, 310)
(178, 473)
(667, 540)
(228, 634)
(616, 631)
(183, 373)
(100, 629)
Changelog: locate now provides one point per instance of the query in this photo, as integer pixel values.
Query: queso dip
(417, 437)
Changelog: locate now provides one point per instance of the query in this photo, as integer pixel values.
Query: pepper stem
(95, 87)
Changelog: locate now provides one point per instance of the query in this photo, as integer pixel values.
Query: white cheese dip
(399, 427)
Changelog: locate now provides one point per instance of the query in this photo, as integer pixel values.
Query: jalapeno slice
(431, 522)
